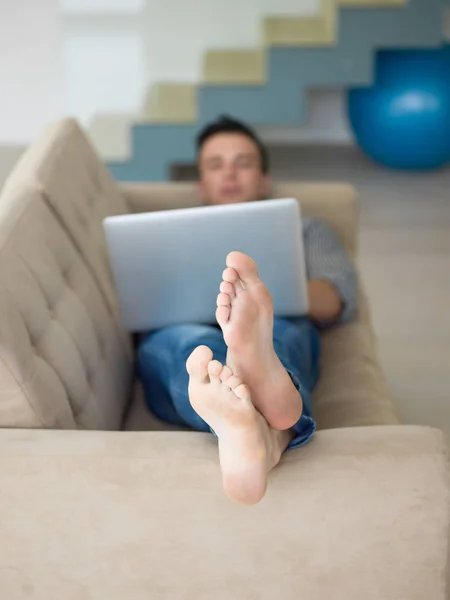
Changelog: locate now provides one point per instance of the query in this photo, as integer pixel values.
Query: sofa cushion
(63, 363)
(357, 514)
(77, 186)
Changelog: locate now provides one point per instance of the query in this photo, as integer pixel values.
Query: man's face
(230, 170)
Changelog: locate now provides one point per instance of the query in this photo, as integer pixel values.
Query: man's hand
(325, 304)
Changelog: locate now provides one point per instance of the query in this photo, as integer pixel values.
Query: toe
(244, 266)
(197, 363)
(214, 370)
(227, 288)
(226, 374)
(223, 315)
(242, 391)
(223, 300)
(234, 382)
(231, 276)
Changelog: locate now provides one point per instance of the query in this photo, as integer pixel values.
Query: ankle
(284, 438)
(280, 440)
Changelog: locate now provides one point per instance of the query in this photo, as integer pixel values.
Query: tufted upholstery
(63, 363)
(78, 188)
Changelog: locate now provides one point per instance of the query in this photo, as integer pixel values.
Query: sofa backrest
(63, 359)
(334, 202)
(76, 185)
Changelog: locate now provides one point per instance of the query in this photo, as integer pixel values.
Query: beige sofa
(99, 500)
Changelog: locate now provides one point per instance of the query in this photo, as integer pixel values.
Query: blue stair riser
(418, 25)
(155, 149)
(280, 101)
(291, 72)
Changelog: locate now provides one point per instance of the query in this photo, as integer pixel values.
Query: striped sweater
(326, 258)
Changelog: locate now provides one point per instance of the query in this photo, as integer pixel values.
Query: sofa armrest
(356, 513)
(352, 390)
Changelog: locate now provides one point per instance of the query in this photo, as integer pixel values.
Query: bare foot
(248, 447)
(245, 314)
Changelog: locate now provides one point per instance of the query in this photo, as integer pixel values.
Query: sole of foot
(245, 443)
(245, 315)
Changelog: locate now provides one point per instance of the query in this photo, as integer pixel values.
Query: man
(256, 395)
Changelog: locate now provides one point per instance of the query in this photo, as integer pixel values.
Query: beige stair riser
(372, 3)
(170, 103)
(298, 31)
(240, 67)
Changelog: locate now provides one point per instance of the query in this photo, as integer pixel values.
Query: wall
(30, 68)
(104, 67)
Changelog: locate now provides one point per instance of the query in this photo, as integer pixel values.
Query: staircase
(265, 86)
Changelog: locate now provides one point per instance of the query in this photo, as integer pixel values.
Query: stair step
(418, 25)
(319, 30)
(270, 103)
(170, 103)
(326, 29)
(235, 67)
(171, 143)
(320, 68)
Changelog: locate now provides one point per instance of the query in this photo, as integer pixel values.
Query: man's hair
(225, 124)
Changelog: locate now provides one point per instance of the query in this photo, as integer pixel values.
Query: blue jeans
(162, 360)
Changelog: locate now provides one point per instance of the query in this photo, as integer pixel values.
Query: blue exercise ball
(403, 121)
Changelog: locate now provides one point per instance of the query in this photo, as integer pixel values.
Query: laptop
(167, 265)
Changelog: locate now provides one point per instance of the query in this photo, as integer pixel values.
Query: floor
(405, 264)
